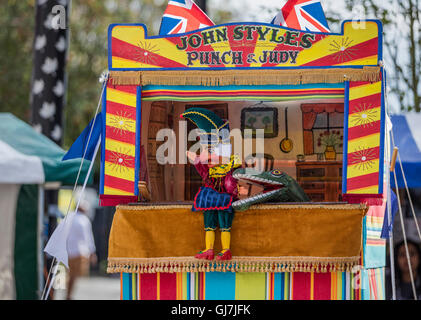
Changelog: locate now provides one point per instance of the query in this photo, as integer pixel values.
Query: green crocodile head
(277, 187)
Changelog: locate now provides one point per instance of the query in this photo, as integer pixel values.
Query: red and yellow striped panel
(243, 45)
(120, 141)
(364, 134)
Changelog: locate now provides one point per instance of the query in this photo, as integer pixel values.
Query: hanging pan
(286, 144)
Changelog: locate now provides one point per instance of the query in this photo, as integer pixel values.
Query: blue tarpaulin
(407, 134)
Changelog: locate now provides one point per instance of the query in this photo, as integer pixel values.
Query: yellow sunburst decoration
(365, 115)
(121, 122)
(342, 50)
(120, 161)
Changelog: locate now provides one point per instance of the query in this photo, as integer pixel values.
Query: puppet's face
(212, 159)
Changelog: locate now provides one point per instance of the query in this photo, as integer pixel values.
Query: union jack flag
(183, 16)
(305, 15)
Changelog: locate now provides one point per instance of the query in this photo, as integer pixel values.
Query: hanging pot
(286, 144)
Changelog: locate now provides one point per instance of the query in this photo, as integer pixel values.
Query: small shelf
(321, 180)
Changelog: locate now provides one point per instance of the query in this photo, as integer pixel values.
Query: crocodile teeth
(258, 197)
(255, 179)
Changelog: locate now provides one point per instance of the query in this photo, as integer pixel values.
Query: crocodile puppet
(277, 187)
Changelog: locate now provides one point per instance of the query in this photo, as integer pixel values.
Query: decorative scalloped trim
(360, 206)
(237, 264)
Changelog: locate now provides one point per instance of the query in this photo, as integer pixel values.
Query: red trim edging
(369, 199)
(112, 201)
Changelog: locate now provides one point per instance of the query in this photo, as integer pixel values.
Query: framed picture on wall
(265, 118)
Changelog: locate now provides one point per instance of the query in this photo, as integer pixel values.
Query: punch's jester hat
(214, 130)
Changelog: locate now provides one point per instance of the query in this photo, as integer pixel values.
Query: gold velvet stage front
(153, 238)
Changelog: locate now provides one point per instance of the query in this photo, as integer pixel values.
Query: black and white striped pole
(202, 5)
(48, 87)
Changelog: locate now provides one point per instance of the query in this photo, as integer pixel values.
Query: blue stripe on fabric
(364, 239)
(220, 286)
(382, 133)
(138, 138)
(103, 138)
(127, 286)
(278, 286)
(375, 256)
(365, 285)
(188, 286)
(254, 88)
(345, 139)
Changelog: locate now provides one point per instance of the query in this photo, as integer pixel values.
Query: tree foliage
(16, 37)
(87, 59)
(87, 56)
(402, 46)
(401, 42)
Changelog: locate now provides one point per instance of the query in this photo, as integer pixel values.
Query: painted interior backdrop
(157, 115)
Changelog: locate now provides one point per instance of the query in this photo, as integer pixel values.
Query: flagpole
(103, 79)
(70, 221)
(52, 280)
(89, 172)
(40, 222)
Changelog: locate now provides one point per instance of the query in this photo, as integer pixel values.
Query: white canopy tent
(15, 169)
(27, 159)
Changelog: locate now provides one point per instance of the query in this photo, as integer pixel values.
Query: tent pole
(40, 229)
(389, 213)
(71, 215)
(388, 131)
(391, 251)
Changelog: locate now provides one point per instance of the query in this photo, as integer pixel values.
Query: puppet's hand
(191, 155)
(243, 190)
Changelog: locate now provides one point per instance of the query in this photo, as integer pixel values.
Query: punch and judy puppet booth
(317, 98)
